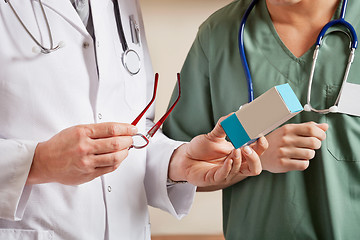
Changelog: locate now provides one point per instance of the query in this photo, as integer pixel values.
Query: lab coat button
(100, 116)
(86, 45)
(109, 189)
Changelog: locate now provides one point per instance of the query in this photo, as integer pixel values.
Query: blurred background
(171, 27)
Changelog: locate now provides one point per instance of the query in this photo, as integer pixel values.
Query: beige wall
(171, 27)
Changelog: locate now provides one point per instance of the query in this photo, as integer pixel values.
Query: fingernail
(247, 150)
(134, 130)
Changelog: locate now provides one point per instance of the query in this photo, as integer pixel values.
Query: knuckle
(282, 162)
(80, 131)
(84, 164)
(311, 129)
(281, 141)
(257, 171)
(286, 140)
(86, 131)
(286, 129)
(282, 152)
(289, 128)
(116, 144)
(112, 130)
(83, 149)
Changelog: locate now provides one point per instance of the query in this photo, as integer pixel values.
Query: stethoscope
(340, 21)
(39, 48)
(130, 58)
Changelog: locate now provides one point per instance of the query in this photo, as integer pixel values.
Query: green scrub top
(322, 202)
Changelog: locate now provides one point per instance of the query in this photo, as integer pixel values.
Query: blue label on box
(235, 131)
(289, 97)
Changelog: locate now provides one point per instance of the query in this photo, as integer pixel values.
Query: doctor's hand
(292, 146)
(209, 160)
(81, 153)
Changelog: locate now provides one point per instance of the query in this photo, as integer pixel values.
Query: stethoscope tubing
(120, 26)
(242, 51)
(354, 43)
(353, 34)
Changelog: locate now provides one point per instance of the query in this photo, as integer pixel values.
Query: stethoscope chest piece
(131, 61)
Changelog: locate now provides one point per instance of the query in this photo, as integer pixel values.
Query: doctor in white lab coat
(58, 181)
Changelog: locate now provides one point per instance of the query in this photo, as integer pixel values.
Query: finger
(223, 172)
(310, 129)
(304, 142)
(112, 144)
(323, 126)
(244, 169)
(252, 160)
(103, 170)
(295, 165)
(109, 129)
(297, 153)
(110, 159)
(236, 165)
(260, 145)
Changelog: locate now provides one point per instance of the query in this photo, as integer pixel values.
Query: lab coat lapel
(67, 11)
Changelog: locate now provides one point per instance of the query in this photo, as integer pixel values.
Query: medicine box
(261, 116)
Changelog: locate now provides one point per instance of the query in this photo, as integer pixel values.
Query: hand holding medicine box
(261, 116)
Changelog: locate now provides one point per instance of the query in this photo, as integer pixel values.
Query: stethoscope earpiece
(61, 44)
(334, 109)
(307, 108)
(36, 49)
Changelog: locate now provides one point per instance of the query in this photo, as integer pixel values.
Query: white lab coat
(42, 94)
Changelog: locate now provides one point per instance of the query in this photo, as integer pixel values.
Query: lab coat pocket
(15, 234)
(343, 135)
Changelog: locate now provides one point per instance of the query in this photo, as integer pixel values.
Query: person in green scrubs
(310, 188)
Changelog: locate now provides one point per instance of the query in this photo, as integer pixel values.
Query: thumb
(218, 131)
(260, 145)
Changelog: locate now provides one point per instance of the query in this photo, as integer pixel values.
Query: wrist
(177, 169)
(36, 176)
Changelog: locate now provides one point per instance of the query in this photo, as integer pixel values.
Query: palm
(206, 157)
